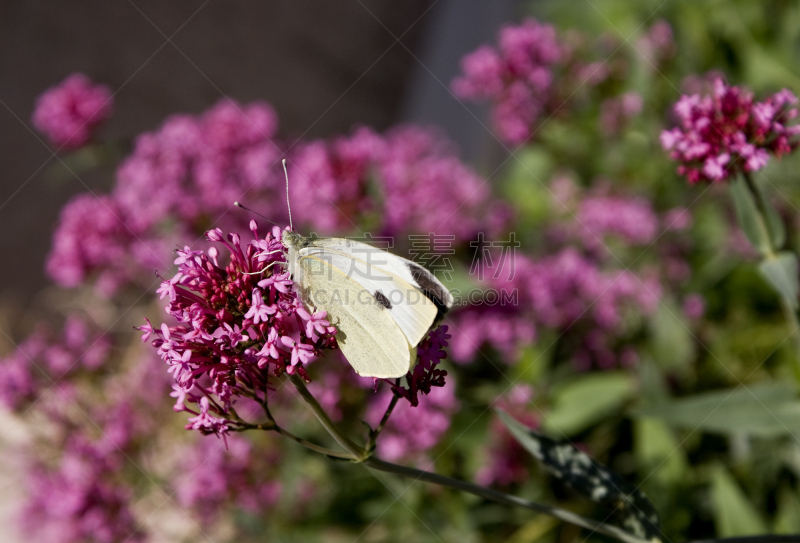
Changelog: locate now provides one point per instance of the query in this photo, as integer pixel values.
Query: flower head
(237, 324)
(727, 132)
(69, 112)
(517, 77)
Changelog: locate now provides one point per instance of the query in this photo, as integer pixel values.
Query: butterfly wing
(368, 336)
(399, 280)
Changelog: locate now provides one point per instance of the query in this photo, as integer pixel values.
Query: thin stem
(313, 446)
(373, 436)
(501, 497)
(790, 313)
(272, 426)
(354, 450)
(363, 455)
(761, 214)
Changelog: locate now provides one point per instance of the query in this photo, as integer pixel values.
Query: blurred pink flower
(727, 132)
(211, 477)
(694, 306)
(516, 77)
(69, 112)
(411, 431)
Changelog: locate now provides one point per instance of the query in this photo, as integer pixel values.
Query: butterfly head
(292, 240)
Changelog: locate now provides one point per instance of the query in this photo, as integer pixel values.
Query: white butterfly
(381, 304)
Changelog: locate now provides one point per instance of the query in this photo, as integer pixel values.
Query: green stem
(363, 455)
(761, 215)
(313, 446)
(356, 452)
(789, 312)
(501, 497)
(272, 426)
(373, 436)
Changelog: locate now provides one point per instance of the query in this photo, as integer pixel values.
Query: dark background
(324, 66)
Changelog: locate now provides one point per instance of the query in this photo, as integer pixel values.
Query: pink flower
(726, 132)
(300, 353)
(425, 375)
(694, 306)
(79, 499)
(69, 112)
(228, 338)
(207, 423)
(423, 185)
(656, 45)
(411, 431)
(45, 357)
(259, 311)
(517, 77)
(212, 478)
(632, 219)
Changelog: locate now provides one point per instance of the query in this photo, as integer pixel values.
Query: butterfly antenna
(254, 212)
(286, 173)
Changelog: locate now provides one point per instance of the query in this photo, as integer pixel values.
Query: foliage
(640, 323)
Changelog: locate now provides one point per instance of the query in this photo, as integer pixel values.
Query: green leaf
(591, 479)
(659, 451)
(750, 217)
(734, 515)
(765, 410)
(777, 231)
(787, 518)
(586, 400)
(780, 272)
(673, 344)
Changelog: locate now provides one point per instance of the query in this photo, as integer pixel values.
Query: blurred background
(324, 67)
(643, 334)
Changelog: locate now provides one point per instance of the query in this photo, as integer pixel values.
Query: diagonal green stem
(502, 497)
(790, 313)
(324, 419)
(364, 455)
(373, 436)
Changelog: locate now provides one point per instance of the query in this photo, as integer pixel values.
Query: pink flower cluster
(557, 292)
(413, 428)
(78, 483)
(69, 112)
(193, 168)
(632, 220)
(81, 499)
(238, 320)
(517, 77)
(425, 374)
(44, 358)
(409, 180)
(727, 132)
(184, 176)
(93, 237)
(211, 477)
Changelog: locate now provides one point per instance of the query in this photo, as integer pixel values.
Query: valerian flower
(69, 112)
(727, 132)
(237, 324)
(517, 77)
(244, 322)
